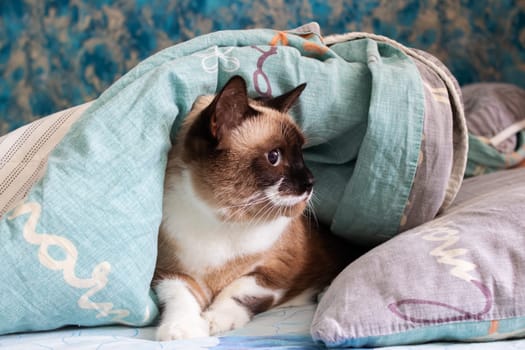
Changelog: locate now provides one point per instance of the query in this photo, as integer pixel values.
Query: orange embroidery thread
(279, 37)
(494, 325)
(316, 48)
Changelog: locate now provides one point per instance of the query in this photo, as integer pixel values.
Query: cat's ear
(285, 101)
(230, 107)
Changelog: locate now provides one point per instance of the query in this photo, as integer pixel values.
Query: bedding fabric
(283, 328)
(459, 277)
(81, 247)
(495, 116)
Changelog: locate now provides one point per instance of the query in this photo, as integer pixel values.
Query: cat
(233, 240)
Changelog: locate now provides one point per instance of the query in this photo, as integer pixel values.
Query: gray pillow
(458, 277)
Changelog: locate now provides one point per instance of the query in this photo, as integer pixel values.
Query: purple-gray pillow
(458, 277)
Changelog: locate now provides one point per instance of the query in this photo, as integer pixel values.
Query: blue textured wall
(55, 54)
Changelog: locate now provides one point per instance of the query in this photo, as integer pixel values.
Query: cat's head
(245, 156)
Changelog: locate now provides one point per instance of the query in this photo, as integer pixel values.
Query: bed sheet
(282, 328)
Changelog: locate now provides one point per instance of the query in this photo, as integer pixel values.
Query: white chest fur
(202, 239)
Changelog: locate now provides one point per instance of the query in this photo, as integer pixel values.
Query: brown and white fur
(234, 241)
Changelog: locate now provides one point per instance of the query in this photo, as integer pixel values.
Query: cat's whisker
(310, 214)
(255, 216)
(264, 213)
(314, 201)
(267, 209)
(235, 210)
(244, 205)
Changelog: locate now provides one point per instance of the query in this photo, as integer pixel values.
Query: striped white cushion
(24, 153)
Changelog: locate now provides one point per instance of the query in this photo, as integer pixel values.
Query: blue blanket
(82, 244)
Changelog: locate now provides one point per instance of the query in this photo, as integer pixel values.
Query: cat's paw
(223, 319)
(183, 329)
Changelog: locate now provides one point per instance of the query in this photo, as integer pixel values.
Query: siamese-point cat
(234, 240)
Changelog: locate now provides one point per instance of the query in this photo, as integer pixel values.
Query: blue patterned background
(55, 54)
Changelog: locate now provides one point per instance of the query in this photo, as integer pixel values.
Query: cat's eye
(274, 157)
